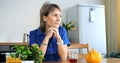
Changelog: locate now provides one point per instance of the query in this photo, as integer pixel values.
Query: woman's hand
(53, 32)
(50, 33)
(56, 33)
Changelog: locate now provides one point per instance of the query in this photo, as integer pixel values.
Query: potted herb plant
(70, 26)
(28, 53)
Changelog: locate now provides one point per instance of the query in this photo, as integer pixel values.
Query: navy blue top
(37, 37)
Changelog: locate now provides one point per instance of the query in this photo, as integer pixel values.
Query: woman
(50, 36)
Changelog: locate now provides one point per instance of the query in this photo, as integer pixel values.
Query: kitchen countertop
(12, 43)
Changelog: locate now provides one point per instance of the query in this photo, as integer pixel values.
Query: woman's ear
(45, 18)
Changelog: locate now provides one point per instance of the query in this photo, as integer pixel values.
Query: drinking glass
(73, 57)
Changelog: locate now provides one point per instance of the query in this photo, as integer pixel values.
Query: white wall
(21, 16)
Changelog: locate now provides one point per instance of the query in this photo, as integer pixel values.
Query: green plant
(28, 53)
(69, 26)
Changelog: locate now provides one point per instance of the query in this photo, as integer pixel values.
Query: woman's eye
(55, 15)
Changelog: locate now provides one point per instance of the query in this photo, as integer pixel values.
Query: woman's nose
(58, 18)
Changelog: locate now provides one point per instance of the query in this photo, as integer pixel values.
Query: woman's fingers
(53, 32)
(50, 32)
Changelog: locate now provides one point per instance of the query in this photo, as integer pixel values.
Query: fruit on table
(93, 57)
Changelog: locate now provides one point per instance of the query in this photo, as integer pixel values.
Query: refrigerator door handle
(92, 15)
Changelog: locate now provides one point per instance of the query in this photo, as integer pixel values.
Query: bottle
(25, 37)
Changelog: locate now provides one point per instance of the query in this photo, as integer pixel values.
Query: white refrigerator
(90, 22)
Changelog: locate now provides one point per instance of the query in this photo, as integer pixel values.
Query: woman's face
(53, 19)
